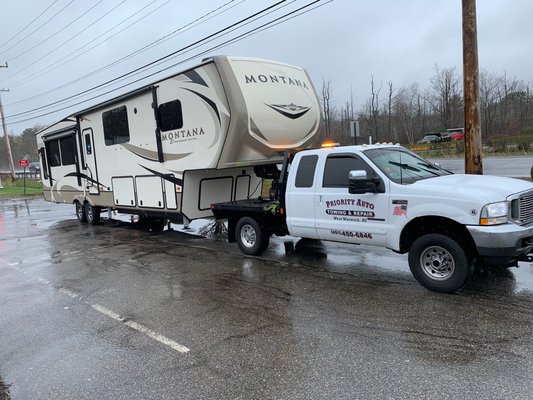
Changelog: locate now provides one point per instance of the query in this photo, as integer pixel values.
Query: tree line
(403, 114)
(22, 145)
(406, 114)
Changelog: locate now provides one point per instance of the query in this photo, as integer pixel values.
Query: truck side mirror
(358, 183)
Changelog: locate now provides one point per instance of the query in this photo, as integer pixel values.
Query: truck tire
(439, 263)
(80, 212)
(92, 214)
(251, 238)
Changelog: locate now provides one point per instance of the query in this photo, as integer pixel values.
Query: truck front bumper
(507, 241)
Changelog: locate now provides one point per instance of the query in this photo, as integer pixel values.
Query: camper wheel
(252, 238)
(92, 214)
(80, 212)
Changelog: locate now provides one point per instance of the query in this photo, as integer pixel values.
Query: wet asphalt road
(114, 312)
(515, 167)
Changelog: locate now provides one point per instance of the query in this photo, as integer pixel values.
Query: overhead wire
(158, 60)
(40, 26)
(45, 70)
(28, 25)
(57, 32)
(284, 18)
(188, 26)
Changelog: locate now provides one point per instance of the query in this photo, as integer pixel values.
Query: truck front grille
(522, 208)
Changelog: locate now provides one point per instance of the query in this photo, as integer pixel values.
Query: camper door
(90, 173)
(62, 157)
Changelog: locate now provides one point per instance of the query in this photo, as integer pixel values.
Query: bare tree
(327, 91)
(445, 98)
(374, 107)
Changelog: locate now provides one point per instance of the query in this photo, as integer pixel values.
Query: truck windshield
(403, 166)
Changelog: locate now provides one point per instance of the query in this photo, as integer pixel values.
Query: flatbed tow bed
(256, 220)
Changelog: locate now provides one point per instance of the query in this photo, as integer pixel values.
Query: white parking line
(142, 329)
(111, 314)
(68, 293)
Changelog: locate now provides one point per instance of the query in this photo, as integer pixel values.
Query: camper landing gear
(92, 214)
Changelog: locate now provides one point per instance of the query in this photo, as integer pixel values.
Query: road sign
(24, 163)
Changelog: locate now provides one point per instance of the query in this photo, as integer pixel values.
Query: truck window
(116, 129)
(336, 173)
(306, 171)
(170, 116)
(68, 150)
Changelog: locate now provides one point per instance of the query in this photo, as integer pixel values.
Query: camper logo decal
(276, 79)
(291, 111)
(182, 135)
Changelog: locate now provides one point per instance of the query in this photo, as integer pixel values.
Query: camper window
(116, 129)
(53, 152)
(170, 116)
(68, 150)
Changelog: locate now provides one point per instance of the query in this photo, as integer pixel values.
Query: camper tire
(80, 212)
(439, 263)
(251, 237)
(92, 214)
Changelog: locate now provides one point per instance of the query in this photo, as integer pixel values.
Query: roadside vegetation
(34, 187)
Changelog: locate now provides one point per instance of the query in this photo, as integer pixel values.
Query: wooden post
(473, 155)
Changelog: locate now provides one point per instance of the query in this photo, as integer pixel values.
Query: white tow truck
(385, 195)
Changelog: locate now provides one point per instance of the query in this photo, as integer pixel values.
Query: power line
(23, 29)
(183, 29)
(284, 18)
(57, 32)
(40, 26)
(153, 62)
(49, 68)
(31, 64)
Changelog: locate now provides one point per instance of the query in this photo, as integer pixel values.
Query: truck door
(300, 198)
(89, 168)
(345, 217)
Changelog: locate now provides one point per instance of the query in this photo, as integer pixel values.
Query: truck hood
(491, 188)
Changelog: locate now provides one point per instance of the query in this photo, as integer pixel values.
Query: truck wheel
(80, 212)
(251, 238)
(92, 214)
(439, 263)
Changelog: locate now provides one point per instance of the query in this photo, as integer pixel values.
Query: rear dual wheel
(251, 237)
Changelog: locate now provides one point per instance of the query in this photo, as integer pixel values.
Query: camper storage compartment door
(201, 188)
(123, 191)
(149, 191)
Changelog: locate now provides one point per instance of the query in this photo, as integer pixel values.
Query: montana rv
(175, 147)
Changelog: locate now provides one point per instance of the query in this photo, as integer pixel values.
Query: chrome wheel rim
(248, 235)
(437, 263)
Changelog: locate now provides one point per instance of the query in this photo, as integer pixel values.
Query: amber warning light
(329, 145)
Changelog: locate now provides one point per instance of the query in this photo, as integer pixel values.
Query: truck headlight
(494, 213)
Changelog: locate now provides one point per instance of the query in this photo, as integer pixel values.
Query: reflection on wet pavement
(307, 319)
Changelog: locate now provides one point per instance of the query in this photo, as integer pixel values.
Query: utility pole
(6, 136)
(473, 156)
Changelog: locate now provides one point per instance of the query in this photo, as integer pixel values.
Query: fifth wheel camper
(174, 147)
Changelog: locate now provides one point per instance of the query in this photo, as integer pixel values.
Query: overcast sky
(58, 49)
